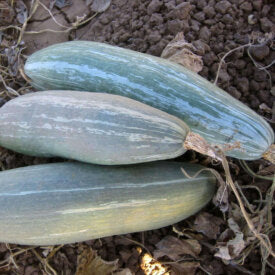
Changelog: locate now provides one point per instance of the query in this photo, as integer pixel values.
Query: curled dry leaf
(221, 197)
(233, 247)
(174, 248)
(181, 52)
(100, 5)
(208, 224)
(89, 263)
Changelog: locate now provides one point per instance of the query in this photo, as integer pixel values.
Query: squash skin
(206, 109)
(69, 202)
(94, 128)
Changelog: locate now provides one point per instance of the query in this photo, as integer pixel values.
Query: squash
(94, 128)
(69, 202)
(206, 109)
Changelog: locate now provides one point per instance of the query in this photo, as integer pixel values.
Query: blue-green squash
(69, 202)
(206, 109)
(94, 128)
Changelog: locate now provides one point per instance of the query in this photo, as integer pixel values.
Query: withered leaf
(100, 5)
(21, 10)
(89, 263)
(208, 224)
(174, 248)
(233, 247)
(181, 52)
(221, 197)
(185, 268)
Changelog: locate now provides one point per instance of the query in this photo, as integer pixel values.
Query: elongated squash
(93, 128)
(206, 109)
(69, 202)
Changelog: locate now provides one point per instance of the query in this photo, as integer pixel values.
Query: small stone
(204, 34)
(154, 6)
(227, 19)
(201, 47)
(185, 26)
(195, 25)
(252, 19)
(257, 4)
(184, 10)
(243, 84)
(200, 16)
(156, 19)
(246, 6)
(240, 64)
(105, 20)
(234, 92)
(266, 24)
(224, 77)
(154, 37)
(259, 76)
(174, 26)
(222, 6)
(254, 86)
(201, 4)
(265, 10)
(124, 37)
(209, 58)
(210, 22)
(254, 101)
(264, 96)
(209, 12)
(259, 52)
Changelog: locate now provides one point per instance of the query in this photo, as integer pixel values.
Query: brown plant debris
(175, 248)
(181, 52)
(89, 263)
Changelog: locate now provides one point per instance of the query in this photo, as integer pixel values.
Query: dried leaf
(185, 268)
(174, 248)
(208, 224)
(221, 197)
(233, 247)
(21, 10)
(150, 266)
(89, 263)
(181, 52)
(100, 5)
(223, 253)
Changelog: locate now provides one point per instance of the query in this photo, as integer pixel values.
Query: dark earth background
(213, 28)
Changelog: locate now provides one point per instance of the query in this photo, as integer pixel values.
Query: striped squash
(206, 109)
(93, 128)
(68, 202)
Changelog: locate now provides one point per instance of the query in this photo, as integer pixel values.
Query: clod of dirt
(259, 52)
(266, 24)
(222, 6)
